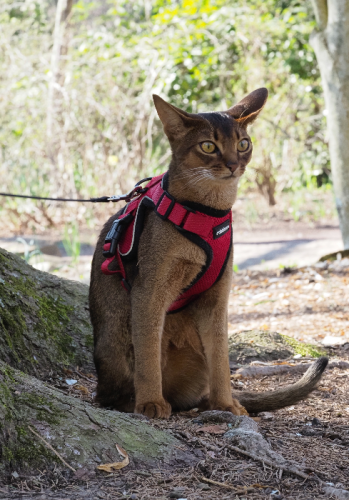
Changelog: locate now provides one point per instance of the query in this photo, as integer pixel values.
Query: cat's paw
(233, 406)
(158, 409)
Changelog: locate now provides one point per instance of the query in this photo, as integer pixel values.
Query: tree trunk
(331, 46)
(45, 327)
(84, 436)
(44, 320)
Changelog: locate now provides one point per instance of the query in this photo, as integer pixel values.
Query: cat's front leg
(216, 349)
(148, 316)
(213, 330)
(157, 285)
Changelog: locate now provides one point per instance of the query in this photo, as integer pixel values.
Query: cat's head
(210, 149)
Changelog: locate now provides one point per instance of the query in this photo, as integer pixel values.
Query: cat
(151, 362)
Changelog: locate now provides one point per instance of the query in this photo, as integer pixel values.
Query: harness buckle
(114, 234)
(168, 210)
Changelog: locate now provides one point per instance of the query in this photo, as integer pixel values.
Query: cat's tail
(255, 402)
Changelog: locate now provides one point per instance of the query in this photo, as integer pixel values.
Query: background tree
(91, 79)
(331, 46)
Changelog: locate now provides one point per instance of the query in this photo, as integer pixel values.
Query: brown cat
(149, 361)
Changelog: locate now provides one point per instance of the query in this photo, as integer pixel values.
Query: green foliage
(71, 242)
(201, 55)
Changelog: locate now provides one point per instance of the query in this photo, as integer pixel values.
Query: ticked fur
(151, 362)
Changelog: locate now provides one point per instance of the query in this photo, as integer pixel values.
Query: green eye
(243, 145)
(208, 147)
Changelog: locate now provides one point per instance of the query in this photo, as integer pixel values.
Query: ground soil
(323, 448)
(308, 303)
(293, 304)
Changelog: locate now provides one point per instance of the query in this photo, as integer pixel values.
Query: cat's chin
(230, 176)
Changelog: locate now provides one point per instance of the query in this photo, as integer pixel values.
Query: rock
(333, 256)
(218, 417)
(247, 437)
(336, 493)
(177, 493)
(261, 345)
(308, 431)
(266, 415)
(203, 487)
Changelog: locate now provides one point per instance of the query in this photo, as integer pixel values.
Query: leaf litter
(116, 465)
(314, 433)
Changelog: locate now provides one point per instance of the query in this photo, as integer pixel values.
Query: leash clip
(136, 191)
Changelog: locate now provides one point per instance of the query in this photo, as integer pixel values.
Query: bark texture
(331, 46)
(44, 327)
(44, 320)
(83, 435)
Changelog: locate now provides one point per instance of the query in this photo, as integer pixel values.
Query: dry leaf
(82, 389)
(116, 465)
(214, 429)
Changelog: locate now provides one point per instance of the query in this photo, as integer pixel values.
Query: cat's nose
(232, 165)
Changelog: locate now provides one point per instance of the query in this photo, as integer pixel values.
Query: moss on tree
(83, 435)
(262, 345)
(44, 320)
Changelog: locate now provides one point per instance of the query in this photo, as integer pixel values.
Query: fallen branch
(269, 370)
(238, 491)
(51, 448)
(291, 470)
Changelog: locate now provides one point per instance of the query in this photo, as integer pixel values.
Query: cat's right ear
(175, 121)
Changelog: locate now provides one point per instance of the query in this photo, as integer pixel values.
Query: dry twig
(266, 461)
(238, 491)
(52, 449)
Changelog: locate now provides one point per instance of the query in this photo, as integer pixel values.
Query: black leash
(103, 199)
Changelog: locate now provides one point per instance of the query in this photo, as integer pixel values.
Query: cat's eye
(243, 145)
(208, 147)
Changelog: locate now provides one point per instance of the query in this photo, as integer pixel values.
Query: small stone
(71, 381)
(176, 494)
(133, 496)
(203, 487)
(266, 415)
(15, 474)
(308, 431)
(315, 422)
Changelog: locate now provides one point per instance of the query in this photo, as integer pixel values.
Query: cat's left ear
(247, 110)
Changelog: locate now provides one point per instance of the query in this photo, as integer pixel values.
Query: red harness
(208, 228)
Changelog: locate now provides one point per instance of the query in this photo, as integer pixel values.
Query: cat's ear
(247, 110)
(176, 122)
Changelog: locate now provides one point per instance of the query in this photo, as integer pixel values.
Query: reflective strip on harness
(208, 228)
